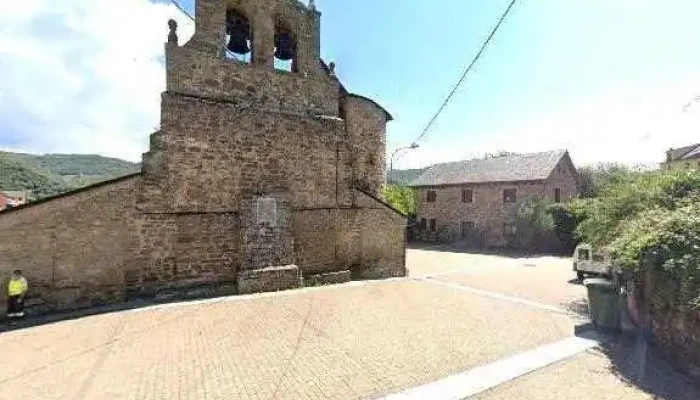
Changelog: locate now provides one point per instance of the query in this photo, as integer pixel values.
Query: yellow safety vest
(17, 287)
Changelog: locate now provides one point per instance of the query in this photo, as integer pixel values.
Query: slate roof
(685, 153)
(514, 168)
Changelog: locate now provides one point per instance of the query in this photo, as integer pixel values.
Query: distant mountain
(403, 177)
(52, 174)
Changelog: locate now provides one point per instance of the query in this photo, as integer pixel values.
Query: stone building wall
(71, 249)
(211, 154)
(366, 127)
(368, 240)
(232, 134)
(181, 250)
(488, 211)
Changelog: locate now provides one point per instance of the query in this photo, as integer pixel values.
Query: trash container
(603, 303)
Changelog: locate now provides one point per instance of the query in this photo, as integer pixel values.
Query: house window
(509, 230)
(432, 196)
(467, 227)
(687, 165)
(557, 195)
(509, 196)
(433, 228)
(584, 255)
(467, 196)
(423, 224)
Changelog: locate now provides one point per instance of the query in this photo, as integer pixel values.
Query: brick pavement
(354, 341)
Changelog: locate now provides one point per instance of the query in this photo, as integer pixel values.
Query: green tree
(619, 200)
(651, 222)
(401, 197)
(667, 242)
(592, 179)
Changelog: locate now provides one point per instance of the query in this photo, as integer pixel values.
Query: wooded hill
(52, 174)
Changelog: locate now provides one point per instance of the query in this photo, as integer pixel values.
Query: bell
(239, 33)
(285, 46)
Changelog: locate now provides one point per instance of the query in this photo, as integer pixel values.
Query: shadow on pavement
(578, 307)
(32, 321)
(460, 248)
(640, 365)
(193, 294)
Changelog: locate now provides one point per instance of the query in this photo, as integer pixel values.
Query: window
(433, 228)
(467, 196)
(584, 255)
(687, 165)
(597, 257)
(423, 224)
(509, 196)
(432, 196)
(557, 195)
(467, 227)
(509, 229)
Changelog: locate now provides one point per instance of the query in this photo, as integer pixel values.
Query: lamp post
(391, 162)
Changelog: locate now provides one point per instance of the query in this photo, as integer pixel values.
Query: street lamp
(391, 162)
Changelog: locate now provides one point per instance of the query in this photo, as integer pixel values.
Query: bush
(667, 242)
(564, 226)
(651, 222)
(599, 218)
(402, 198)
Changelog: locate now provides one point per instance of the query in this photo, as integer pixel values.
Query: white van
(590, 261)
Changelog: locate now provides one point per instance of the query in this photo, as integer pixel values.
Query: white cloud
(632, 125)
(83, 76)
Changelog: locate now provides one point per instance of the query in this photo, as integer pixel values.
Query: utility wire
(466, 72)
(179, 7)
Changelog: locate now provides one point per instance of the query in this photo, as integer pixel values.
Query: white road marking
(499, 296)
(486, 377)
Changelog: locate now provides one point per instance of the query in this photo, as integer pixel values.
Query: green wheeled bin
(603, 303)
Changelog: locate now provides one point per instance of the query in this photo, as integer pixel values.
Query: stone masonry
(258, 178)
(487, 211)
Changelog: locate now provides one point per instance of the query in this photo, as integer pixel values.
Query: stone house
(687, 157)
(266, 171)
(478, 199)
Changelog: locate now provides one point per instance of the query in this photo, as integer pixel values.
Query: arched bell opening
(239, 37)
(285, 48)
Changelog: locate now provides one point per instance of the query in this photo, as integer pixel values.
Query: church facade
(265, 173)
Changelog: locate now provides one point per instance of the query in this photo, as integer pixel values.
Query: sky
(609, 80)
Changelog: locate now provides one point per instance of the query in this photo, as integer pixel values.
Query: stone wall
(262, 16)
(368, 240)
(488, 211)
(212, 154)
(230, 132)
(366, 127)
(675, 331)
(181, 250)
(71, 249)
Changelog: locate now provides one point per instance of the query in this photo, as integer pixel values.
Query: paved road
(454, 313)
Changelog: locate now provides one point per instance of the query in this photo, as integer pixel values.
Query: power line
(179, 7)
(466, 72)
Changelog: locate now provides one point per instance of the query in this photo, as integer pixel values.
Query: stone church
(265, 173)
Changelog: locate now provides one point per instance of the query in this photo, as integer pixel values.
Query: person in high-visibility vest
(16, 290)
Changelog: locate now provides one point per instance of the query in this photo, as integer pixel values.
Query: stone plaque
(266, 211)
